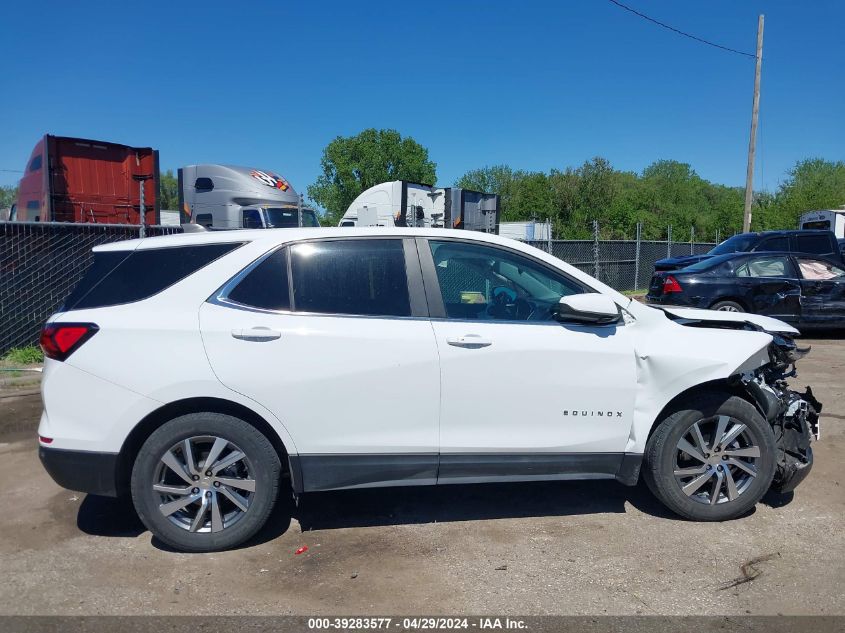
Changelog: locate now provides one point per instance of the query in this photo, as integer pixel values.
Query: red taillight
(670, 284)
(45, 440)
(60, 340)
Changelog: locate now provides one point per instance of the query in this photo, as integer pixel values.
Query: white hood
(767, 323)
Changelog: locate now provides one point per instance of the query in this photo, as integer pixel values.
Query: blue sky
(532, 84)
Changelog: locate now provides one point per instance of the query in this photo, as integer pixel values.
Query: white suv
(208, 374)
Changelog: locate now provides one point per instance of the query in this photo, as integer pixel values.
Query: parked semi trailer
(231, 197)
(86, 181)
(403, 203)
(81, 180)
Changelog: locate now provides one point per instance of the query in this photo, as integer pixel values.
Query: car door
(822, 292)
(523, 396)
(768, 284)
(332, 336)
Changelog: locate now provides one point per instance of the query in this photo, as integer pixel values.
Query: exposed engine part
(794, 416)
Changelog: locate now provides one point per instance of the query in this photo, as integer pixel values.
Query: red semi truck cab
(80, 180)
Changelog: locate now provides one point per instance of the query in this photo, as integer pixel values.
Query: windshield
(281, 218)
(735, 244)
(288, 217)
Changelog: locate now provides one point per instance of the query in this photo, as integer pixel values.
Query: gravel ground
(557, 548)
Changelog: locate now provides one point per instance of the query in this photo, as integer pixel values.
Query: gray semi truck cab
(232, 197)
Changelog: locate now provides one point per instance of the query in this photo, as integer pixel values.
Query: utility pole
(752, 143)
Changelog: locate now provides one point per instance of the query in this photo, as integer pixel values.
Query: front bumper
(83, 471)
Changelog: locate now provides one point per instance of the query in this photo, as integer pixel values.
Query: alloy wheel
(716, 460)
(204, 484)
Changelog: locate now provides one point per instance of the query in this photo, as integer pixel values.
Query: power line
(13, 171)
(679, 32)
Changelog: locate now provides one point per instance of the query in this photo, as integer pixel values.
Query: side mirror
(590, 309)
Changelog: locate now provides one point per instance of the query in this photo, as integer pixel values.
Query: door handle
(471, 341)
(256, 334)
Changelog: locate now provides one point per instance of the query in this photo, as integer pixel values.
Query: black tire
(727, 306)
(662, 455)
(261, 459)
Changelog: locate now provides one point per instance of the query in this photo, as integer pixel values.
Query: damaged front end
(794, 416)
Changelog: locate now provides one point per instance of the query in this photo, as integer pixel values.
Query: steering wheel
(508, 305)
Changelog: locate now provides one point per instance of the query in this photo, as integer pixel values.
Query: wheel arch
(738, 300)
(719, 385)
(139, 434)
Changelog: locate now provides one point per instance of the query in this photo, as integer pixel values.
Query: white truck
(231, 197)
(825, 219)
(404, 203)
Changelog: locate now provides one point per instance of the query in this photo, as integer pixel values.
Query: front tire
(712, 460)
(205, 482)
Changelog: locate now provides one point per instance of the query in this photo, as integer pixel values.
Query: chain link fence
(40, 263)
(621, 264)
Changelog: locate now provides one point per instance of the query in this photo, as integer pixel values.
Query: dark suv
(805, 241)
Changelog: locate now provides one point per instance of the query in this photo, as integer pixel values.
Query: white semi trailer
(404, 203)
(230, 197)
(826, 219)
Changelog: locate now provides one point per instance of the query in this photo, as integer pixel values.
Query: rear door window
(813, 244)
(118, 277)
(356, 277)
(818, 270)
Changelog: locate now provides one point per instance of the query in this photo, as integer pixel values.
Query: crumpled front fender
(674, 358)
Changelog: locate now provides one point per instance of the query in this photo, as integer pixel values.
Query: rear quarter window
(813, 244)
(118, 277)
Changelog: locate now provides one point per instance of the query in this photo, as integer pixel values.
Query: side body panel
(358, 391)
(536, 401)
(822, 302)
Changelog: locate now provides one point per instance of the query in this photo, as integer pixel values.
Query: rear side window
(765, 267)
(266, 285)
(774, 244)
(365, 277)
(818, 270)
(813, 244)
(119, 277)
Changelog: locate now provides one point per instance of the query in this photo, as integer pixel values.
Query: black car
(804, 241)
(804, 290)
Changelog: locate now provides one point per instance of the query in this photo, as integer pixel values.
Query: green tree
(496, 179)
(667, 192)
(169, 191)
(352, 164)
(8, 195)
(812, 184)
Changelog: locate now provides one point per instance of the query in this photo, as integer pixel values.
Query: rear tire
(727, 306)
(730, 463)
(205, 482)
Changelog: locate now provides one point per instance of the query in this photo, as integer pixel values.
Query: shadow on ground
(104, 516)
